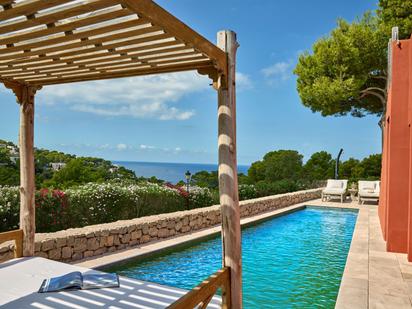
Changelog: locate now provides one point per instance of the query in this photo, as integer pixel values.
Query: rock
(61, 242)
(47, 245)
(102, 241)
(55, 254)
(153, 231)
(109, 241)
(67, 252)
(80, 244)
(179, 225)
(92, 244)
(37, 246)
(87, 254)
(163, 233)
(125, 238)
(136, 234)
(99, 251)
(39, 254)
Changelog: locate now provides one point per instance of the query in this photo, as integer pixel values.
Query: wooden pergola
(50, 42)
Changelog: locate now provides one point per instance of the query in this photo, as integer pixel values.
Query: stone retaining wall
(80, 243)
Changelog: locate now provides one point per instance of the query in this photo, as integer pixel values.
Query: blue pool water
(292, 261)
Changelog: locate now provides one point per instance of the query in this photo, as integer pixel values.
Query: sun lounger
(368, 191)
(335, 188)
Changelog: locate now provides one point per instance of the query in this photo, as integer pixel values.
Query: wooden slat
(53, 16)
(203, 291)
(79, 44)
(131, 73)
(94, 63)
(17, 236)
(84, 34)
(6, 2)
(85, 60)
(125, 64)
(29, 8)
(158, 16)
(85, 53)
(107, 15)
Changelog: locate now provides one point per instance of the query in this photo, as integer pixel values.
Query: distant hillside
(57, 169)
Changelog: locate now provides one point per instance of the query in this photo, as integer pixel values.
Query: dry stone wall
(80, 243)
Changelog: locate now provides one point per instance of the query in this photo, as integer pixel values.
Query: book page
(95, 281)
(70, 281)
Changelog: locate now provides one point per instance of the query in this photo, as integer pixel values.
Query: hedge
(96, 203)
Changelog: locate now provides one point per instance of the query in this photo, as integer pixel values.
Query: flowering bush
(96, 203)
(247, 192)
(9, 208)
(200, 197)
(52, 211)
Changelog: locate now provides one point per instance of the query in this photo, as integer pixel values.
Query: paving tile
(382, 301)
(390, 287)
(352, 297)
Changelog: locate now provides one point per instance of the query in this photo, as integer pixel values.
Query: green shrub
(247, 192)
(91, 203)
(100, 203)
(277, 187)
(157, 199)
(200, 197)
(52, 211)
(9, 208)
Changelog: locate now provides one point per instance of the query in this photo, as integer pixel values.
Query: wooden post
(25, 98)
(27, 176)
(228, 183)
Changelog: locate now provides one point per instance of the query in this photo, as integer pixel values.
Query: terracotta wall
(395, 208)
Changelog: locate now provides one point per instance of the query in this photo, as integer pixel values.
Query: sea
(170, 172)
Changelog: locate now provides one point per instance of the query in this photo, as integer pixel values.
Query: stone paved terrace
(373, 278)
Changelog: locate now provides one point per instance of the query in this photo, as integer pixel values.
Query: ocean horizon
(170, 172)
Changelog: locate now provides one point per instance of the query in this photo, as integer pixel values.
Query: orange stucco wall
(395, 207)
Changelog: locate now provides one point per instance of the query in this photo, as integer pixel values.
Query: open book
(77, 280)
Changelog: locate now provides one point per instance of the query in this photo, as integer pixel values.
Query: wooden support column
(228, 183)
(25, 98)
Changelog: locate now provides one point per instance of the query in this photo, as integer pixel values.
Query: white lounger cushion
(335, 187)
(335, 184)
(369, 194)
(334, 191)
(369, 188)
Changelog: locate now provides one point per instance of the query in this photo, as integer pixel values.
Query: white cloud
(121, 147)
(243, 81)
(279, 71)
(145, 147)
(142, 97)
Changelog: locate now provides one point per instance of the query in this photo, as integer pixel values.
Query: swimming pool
(291, 261)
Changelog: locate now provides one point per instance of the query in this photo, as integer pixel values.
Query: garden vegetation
(90, 191)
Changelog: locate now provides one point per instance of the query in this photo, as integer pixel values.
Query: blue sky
(172, 118)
